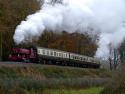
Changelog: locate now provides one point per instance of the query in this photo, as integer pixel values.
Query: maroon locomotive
(23, 54)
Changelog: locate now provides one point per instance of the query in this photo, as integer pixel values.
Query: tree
(12, 12)
(114, 59)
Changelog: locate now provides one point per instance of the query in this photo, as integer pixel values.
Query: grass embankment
(95, 90)
(18, 78)
(40, 72)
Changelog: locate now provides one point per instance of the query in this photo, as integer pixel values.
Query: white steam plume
(104, 16)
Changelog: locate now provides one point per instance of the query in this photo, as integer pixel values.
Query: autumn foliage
(11, 14)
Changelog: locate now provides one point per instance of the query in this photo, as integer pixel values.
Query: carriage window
(59, 54)
(76, 57)
(44, 52)
(54, 53)
(47, 52)
(80, 58)
(72, 57)
(66, 55)
(51, 53)
(84, 59)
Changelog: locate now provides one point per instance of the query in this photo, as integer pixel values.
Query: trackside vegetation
(117, 84)
(95, 90)
(25, 78)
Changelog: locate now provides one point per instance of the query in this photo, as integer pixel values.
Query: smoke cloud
(104, 18)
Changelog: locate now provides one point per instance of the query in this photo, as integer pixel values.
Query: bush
(117, 84)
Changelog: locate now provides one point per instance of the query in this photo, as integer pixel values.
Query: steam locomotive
(52, 56)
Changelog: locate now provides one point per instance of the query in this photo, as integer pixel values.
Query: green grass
(95, 90)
